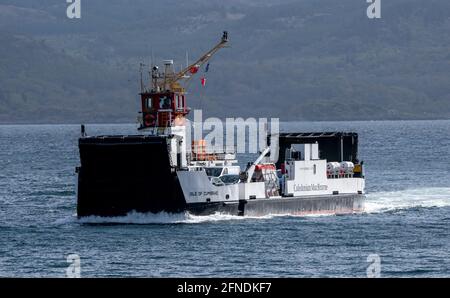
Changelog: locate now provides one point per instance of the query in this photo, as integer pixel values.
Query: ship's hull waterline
(301, 206)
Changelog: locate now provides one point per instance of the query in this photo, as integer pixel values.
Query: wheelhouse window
(179, 102)
(149, 103)
(165, 102)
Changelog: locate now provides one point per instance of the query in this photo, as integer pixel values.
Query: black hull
(333, 204)
(120, 174)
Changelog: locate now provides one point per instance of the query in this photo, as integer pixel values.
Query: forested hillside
(297, 60)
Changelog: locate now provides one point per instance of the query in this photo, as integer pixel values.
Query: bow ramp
(120, 174)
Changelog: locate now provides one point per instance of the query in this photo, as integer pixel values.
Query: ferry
(153, 171)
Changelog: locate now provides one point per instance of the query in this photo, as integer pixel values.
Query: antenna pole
(142, 82)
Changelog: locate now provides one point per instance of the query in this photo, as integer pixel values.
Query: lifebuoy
(149, 120)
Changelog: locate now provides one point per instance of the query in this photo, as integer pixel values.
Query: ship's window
(213, 172)
(229, 179)
(177, 101)
(164, 102)
(296, 155)
(315, 169)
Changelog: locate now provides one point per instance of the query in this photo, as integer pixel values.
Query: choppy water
(407, 222)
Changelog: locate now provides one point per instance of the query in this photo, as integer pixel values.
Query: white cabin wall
(181, 132)
(302, 176)
(252, 189)
(303, 182)
(197, 188)
(346, 185)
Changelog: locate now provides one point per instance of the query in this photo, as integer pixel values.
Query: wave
(160, 218)
(379, 202)
(178, 218)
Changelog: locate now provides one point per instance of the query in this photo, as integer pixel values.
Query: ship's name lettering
(312, 187)
(306, 168)
(203, 193)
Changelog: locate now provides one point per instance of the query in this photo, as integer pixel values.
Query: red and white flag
(194, 69)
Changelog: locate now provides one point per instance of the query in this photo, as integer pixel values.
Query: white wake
(405, 199)
(376, 202)
(163, 218)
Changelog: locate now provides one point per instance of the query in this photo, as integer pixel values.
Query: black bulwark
(120, 174)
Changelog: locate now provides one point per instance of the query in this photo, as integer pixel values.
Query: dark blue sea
(406, 223)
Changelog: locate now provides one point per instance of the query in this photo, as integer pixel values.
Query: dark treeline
(297, 60)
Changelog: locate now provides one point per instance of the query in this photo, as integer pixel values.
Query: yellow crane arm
(202, 60)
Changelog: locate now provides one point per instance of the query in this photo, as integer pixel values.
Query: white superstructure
(302, 174)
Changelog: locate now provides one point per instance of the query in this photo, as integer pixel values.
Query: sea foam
(376, 202)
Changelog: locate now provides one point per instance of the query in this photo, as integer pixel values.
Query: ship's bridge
(163, 109)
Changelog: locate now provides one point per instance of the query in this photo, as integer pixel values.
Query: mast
(164, 101)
